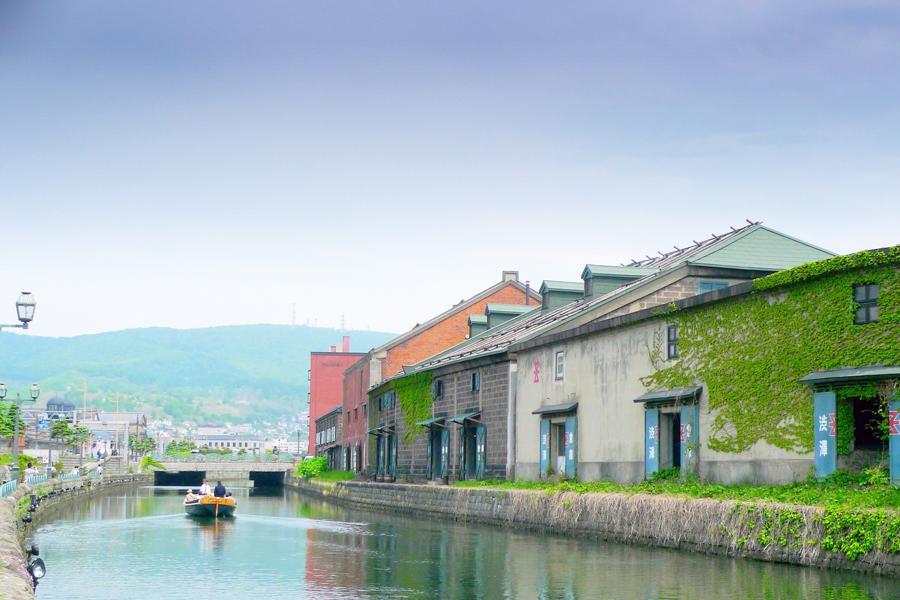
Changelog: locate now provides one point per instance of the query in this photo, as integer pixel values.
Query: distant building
(250, 443)
(326, 374)
(329, 437)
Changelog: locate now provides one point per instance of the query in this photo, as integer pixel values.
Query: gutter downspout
(512, 382)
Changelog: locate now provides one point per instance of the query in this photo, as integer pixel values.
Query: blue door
(690, 437)
(445, 452)
(545, 447)
(480, 451)
(825, 433)
(571, 449)
(461, 452)
(651, 442)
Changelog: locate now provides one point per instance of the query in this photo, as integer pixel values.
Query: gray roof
(851, 374)
(556, 409)
(672, 394)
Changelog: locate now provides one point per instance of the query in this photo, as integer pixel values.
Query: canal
(137, 543)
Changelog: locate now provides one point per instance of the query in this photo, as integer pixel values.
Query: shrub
(312, 467)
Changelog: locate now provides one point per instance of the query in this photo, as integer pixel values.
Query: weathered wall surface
(710, 526)
(15, 583)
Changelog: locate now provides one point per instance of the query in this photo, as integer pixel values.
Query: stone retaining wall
(700, 525)
(15, 583)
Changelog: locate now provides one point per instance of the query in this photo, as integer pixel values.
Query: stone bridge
(190, 472)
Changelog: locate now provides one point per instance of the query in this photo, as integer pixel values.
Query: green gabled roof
(760, 248)
(615, 271)
(476, 318)
(507, 309)
(562, 286)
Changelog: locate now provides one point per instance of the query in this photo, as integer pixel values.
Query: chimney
(345, 343)
(510, 276)
(527, 293)
(334, 349)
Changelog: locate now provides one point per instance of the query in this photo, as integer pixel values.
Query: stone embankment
(15, 583)
(771, 532)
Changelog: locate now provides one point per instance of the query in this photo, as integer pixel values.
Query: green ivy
(414, 395)
(855, 533)
(751, 350)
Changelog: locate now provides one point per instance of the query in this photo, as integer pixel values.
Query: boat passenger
(191, 497)
(205, 489)
(220, 490)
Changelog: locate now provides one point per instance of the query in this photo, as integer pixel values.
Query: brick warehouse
(426, 339)
(326, 375)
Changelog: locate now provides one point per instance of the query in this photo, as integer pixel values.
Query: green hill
(245, 372)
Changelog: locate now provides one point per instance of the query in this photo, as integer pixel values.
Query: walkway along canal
(137, 543)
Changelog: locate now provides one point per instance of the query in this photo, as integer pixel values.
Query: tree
(141, 446)
(78, 436)
(60, 430)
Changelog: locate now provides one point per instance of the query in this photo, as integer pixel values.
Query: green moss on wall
(751, 350)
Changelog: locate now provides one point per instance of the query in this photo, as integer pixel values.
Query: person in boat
(205, 489)
(191, 497)
(219, 492)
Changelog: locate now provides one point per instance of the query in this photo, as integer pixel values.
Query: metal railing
(69, 476)
(35, 479)
(8, 488)
(93, 474)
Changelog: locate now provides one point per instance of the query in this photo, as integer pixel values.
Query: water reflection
(141, 545)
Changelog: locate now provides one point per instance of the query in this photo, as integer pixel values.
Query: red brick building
(326, 375)
(425, 339)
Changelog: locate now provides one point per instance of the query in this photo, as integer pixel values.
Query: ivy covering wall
(414, 398)
(751, 350)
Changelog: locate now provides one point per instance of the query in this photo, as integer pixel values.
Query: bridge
(246, 470)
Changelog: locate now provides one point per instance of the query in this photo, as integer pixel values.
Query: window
(708, 285)
(672, 342)
(365, 410)
(438, 389)
(866, 299)
(560, 364)
(476, 381)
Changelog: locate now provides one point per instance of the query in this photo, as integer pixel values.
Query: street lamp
(24, 310)
(34, 392)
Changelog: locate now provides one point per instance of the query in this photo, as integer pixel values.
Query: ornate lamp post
(35, 392)
(24, 309)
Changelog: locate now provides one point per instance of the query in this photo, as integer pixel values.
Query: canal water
(138, 544)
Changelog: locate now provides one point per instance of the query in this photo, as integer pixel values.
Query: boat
(210, 506)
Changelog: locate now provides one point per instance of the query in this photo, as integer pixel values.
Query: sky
(209, 163)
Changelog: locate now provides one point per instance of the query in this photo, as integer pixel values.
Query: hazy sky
(189, 164)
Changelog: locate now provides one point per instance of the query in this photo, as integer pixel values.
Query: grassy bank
(842, 489)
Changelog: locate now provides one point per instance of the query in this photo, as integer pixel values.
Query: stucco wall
(603, 374)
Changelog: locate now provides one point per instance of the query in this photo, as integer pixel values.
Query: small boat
(210, 506)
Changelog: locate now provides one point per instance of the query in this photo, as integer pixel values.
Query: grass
(334, 476)
(842, 489)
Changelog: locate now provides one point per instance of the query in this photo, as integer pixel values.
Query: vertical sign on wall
(651, 442)
(571, 449)
(690, 437)
(894, 439)
(545, 447)
(824, 433)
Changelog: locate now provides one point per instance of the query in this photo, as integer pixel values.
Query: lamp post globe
(35, 391)
(2, 391)
(25, 307)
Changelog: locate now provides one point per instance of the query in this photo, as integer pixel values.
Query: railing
(265, 458)
(93, 474)
(8, 488)
(69, 476)
(34, 479)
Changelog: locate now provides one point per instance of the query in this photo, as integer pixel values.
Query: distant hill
(244, 372)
